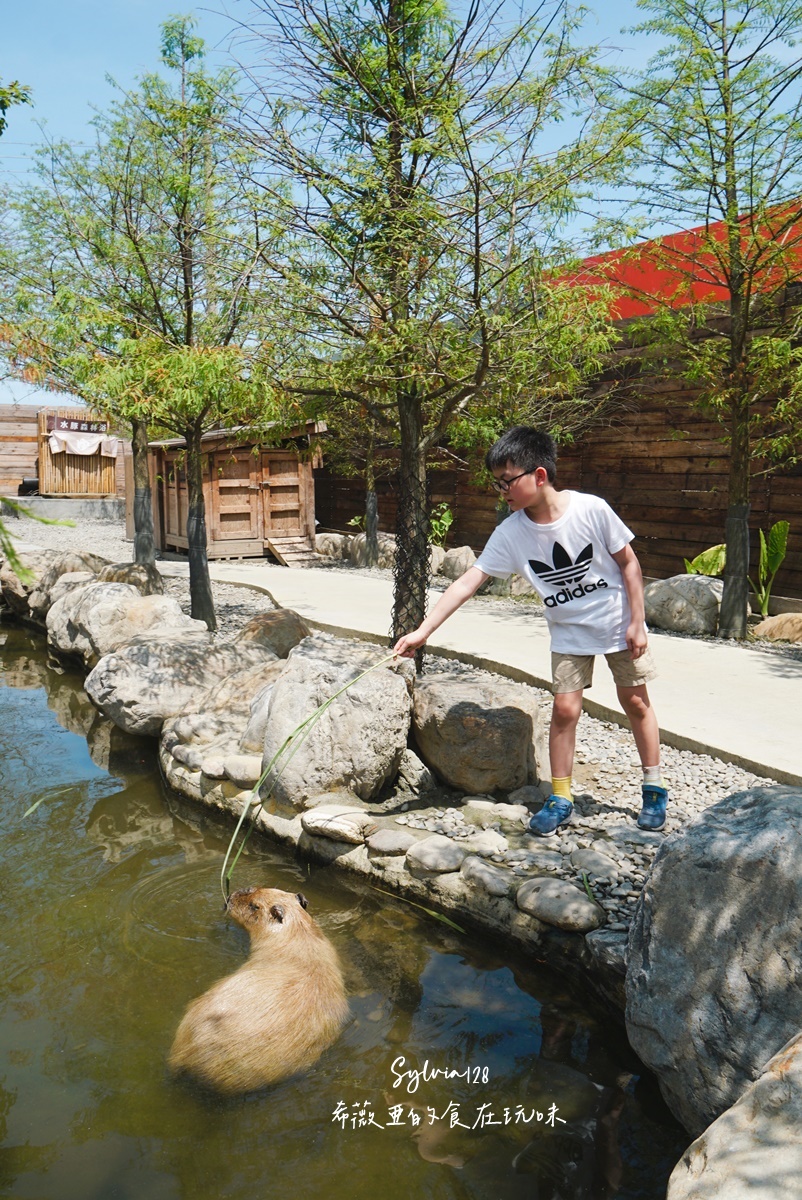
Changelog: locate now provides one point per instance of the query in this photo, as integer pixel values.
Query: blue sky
(65, 50)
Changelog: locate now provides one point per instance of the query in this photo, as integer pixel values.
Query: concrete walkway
(712, 697)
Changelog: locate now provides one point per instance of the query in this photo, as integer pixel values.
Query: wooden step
(292, 551)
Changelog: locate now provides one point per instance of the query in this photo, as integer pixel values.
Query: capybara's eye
(302, 900)
(278, 912)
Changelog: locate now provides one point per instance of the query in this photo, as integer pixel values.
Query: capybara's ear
(277, 912)
(302, 900)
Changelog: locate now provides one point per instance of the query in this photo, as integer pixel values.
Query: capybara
(276, 1014)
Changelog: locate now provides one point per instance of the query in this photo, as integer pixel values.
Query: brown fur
(277, 1013)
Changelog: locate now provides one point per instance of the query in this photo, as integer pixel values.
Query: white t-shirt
(569, 563)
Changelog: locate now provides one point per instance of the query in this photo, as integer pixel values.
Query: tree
(152, 236)
(719, 114)
(422, 195)
(11, 93)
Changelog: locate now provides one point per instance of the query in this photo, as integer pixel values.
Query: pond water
(113, 922)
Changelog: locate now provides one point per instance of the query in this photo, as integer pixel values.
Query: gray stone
(357, 742)
(390, 842)
(253, 737)
(753, 1151)
(144, 577)
(558, 903)
(67, 618)
(632, 836)
(339, 823)
(684, 603)
(142, 684)
(243, 769)
(715, 959)
(544, 860)
(16, 591)
(278, 631)
(491, 879)
(358, 551)
(609, 949)
(332, 545)
(435, 854)
(436, 557)
(478, 736)
(593, 862)
(486, 843)
(414, 775)
(108, 622)
(42, 597)
(457, 561)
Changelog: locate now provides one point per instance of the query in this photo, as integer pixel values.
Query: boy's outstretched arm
(459, 591)
(637, 639)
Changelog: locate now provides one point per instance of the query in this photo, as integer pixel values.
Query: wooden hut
(63, 470)
(260, 499)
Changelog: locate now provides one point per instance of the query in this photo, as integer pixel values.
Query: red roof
(678, 269)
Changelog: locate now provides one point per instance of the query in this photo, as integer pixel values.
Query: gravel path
(607, 777)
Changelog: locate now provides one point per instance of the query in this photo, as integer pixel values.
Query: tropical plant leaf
(709, 562)
(777, 546)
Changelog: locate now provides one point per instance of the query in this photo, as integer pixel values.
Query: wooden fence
(19, 446)
(662, 466)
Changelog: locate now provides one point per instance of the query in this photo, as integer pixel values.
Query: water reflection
(113, 922)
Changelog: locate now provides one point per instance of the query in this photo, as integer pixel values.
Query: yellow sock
(562, 787)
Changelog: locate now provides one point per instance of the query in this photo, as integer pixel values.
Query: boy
(575, 552)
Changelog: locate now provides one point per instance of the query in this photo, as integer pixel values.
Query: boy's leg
(565, 715)
(635, 703)
(571, 674)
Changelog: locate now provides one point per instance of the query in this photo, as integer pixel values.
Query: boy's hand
(637, 639)
(407, 645)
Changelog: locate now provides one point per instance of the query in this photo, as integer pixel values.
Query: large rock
(358, 554)
(279, 631)
(67, 616)
(479, 737)
(142, 684)
(715, 958)
(83, 562)
(357, 743)
(15, 591)
(457, 561)
(145, 577)
(332, 545)
(754, 1150)
(557, 902)
(100, 617)
(785, 627)
(684, 603)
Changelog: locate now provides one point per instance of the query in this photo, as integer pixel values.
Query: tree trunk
(732, 621)
(371, 506)
(200, 585)
(412, 524)
(144, 546)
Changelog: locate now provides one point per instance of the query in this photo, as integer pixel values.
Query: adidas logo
(565, 570)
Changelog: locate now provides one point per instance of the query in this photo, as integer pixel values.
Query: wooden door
(282, 494)
(236, 515)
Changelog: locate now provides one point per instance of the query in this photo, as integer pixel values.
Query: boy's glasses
(504, 485)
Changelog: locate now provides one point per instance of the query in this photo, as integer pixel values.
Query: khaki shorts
(574, 672)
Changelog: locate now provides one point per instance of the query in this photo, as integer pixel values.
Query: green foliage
(772, 552)
(440, 521)
(358, 522)
(709, 562)
(12, 93)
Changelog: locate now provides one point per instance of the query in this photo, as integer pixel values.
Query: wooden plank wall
(663, 467)
(18, 446)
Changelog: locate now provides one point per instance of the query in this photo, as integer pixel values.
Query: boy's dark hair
(527, 448)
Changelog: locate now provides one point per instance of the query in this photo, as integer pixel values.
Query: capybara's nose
(239, 894)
